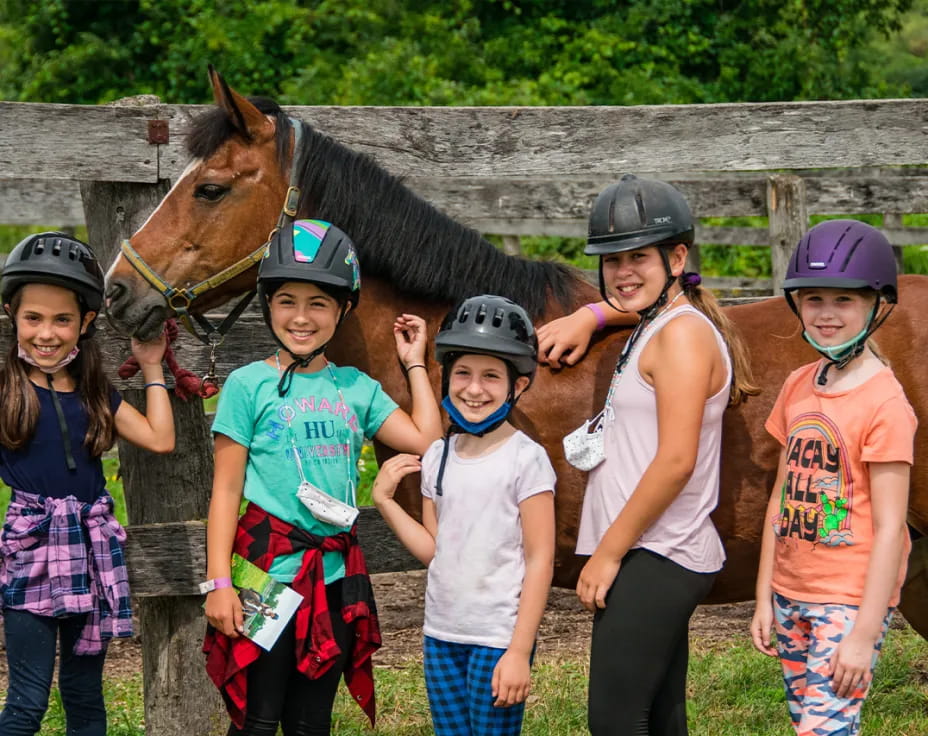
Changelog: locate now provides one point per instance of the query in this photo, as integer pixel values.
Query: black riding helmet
(315, 252)
(57, 259)
(485, 325)
(635, 213)
(488, 325)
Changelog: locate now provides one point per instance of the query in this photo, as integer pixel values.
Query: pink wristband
(215, 584)
(600, 317)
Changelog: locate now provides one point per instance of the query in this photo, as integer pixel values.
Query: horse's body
(414, 259)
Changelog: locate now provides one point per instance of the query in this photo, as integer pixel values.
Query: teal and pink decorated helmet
(314, 251)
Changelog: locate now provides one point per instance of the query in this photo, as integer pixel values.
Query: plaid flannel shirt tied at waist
(61, 557)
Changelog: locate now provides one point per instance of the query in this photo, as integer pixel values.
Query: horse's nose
(116, 290)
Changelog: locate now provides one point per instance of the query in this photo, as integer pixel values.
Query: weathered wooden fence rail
(560, 206)
(514, 171)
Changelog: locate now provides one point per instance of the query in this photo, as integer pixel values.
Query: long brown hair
(742, 378)
(19, 410)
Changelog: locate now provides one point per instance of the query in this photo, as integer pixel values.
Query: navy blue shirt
(40, 467)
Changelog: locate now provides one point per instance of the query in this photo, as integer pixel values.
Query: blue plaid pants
(458, 679)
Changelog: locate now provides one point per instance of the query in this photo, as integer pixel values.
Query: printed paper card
(267, 604)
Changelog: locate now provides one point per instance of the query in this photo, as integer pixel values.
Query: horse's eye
(211, 192)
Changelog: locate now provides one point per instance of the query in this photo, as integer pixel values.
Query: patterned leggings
(807, 636)
(458, 680)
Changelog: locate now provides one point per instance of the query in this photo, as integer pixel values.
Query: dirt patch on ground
(565, 629)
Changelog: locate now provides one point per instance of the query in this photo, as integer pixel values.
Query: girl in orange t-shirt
(835, 546)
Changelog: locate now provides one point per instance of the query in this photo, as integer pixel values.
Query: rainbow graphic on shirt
(817, 495)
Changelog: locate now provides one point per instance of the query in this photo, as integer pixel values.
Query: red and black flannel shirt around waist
(260, 538)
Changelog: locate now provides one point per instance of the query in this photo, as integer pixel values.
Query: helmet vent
(481, 315)
(639, 206)
(612, 215)
(497, 317)
(850, 253)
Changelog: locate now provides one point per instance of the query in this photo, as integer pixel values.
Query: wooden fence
(515, 171)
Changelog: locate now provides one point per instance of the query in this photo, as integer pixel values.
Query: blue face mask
(477, 428)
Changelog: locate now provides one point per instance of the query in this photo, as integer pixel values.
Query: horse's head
(218, 212)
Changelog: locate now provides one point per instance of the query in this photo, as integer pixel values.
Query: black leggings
(279, 694)
(640, 648)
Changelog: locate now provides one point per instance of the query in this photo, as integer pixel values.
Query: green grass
(733, 691)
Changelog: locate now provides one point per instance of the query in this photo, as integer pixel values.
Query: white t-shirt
(475, 579)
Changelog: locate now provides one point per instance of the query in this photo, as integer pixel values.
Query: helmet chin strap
(301, 361)
(460, 425)
(841, 355)
(648, 313)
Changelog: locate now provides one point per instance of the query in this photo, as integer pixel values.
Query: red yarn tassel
(186, 383)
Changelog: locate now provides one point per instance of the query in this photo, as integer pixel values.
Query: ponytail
(742, 379)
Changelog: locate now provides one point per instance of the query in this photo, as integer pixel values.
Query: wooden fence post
(179, 698)
(694, 259)
(893, 221)
(787, 221)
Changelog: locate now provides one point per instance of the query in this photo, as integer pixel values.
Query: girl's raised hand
(411, 335)
(149, 353)
(390, 475)
(565, 340)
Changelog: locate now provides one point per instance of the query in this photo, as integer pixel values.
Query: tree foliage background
(462, 52)
(470, 52)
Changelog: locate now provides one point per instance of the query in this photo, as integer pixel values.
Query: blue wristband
(157, 383)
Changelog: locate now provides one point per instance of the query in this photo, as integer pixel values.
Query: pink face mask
(24, 356)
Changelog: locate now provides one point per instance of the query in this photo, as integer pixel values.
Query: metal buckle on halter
(180, 309)
(292, 201)
(210, 378)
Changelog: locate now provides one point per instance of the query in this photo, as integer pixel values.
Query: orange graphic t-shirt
(824, 529)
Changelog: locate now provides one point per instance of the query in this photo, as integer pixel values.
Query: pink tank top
(684, 533)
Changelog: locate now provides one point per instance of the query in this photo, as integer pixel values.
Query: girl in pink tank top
(645, 522)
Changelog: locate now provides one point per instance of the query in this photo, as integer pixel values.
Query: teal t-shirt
(328, 436)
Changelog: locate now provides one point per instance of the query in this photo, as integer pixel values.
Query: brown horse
(415, 259)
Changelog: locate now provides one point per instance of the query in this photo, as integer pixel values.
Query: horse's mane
(400, 237)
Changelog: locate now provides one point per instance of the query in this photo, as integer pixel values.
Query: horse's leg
(914, 604)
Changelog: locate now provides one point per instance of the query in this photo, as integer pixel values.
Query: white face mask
(24, 356)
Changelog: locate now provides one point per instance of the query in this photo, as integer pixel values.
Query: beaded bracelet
(600, 317)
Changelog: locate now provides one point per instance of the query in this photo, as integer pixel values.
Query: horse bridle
(180, 299)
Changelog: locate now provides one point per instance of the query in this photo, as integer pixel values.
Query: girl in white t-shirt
(487, 531)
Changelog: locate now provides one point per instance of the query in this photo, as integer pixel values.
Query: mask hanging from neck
(26, 358)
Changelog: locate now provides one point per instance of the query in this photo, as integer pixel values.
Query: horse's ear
(248, 119)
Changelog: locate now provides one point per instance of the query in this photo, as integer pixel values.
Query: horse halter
(181, 299)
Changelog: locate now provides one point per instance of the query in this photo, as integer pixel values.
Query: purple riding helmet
(844, 254)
